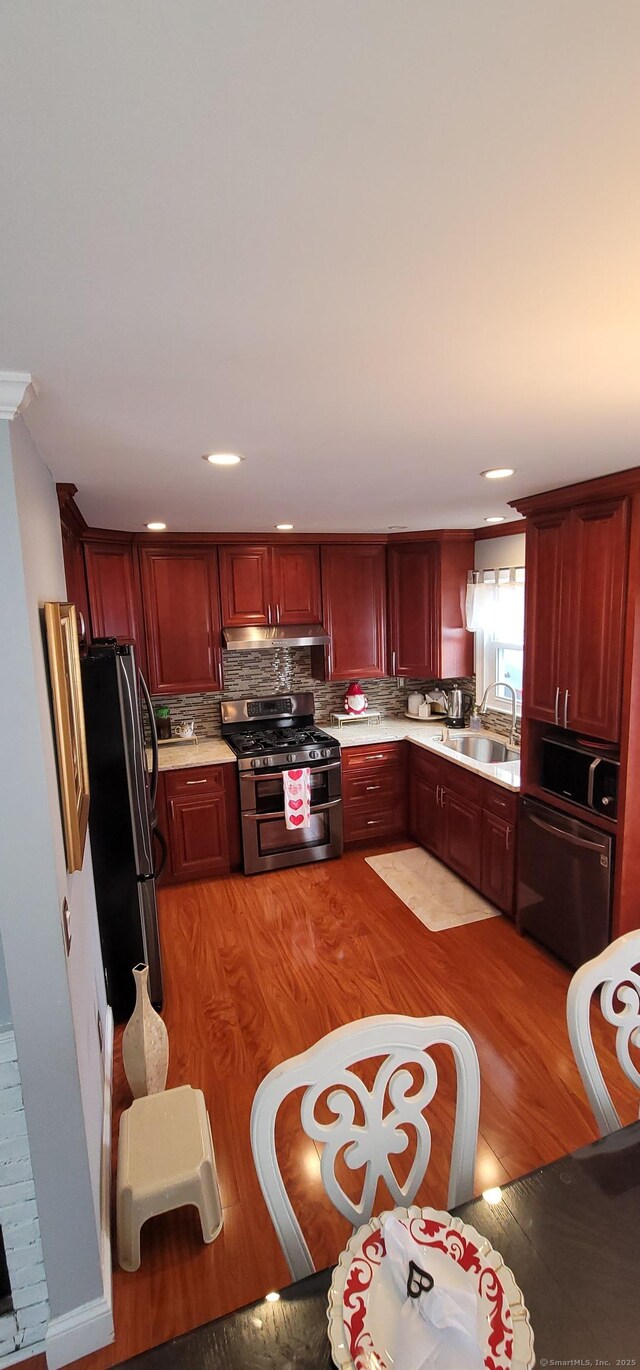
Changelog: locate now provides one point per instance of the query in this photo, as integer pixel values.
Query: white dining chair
(615, 973)
(325, 1071)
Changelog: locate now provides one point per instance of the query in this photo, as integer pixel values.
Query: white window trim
(486, 652)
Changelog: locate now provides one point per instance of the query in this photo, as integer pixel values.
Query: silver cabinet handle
(268, 613)
(557, 701)
(566, 708)
(81, 623)
(442, 795)
(277, 613)
(371, 822)
(508, 838)
(393, 662)
(197, 782)
(372, 787)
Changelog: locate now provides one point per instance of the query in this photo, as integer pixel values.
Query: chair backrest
(326, 1066)
(614, 973)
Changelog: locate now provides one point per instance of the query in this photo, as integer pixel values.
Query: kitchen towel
(297, 798)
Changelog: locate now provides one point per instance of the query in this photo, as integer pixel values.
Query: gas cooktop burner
(261, 742)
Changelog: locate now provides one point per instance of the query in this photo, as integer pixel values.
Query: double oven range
(270, 736)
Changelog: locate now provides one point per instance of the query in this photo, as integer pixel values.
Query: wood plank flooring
(256, 970)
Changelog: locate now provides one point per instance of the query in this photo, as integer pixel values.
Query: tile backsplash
(279, 669)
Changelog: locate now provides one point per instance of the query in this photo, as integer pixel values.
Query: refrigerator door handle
(164, 852)
(154, 738)
(136, 766)
(568, 836)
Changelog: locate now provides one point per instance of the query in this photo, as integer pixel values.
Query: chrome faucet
(483, 707)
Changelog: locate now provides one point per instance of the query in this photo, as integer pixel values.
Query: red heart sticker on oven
(295, 803)
(295, 775)
(297, 819)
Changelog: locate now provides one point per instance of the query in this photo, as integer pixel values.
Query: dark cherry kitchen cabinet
(295, 584)
(576, 601)
(245, 586)
(262, 585)
(196, 811)
(461, 794)
(427, 589)
(114, 592)
(182, 618)
(354, 600)
(76, 580)
(498, 861)
(425, 813)
(374, 791)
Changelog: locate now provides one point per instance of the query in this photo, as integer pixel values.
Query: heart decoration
(297, 819)
(295, 775)
(295, 803)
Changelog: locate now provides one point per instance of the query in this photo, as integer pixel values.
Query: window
(495, 614)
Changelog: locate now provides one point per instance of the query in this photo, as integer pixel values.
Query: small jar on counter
(163, 722)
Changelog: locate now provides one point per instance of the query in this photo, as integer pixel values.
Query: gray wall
(53, 1000)
(5, 1004)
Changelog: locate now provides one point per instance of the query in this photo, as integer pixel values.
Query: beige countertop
(209, 751)
(212, 751)
(427, 734)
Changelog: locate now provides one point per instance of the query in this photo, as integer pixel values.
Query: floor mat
(437, 897)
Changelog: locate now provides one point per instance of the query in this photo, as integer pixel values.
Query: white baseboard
(89, 1327)
(79, 1332)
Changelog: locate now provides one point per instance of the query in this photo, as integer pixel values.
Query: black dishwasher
(565, 882)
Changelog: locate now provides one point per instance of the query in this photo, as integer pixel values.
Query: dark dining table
(570, 1232)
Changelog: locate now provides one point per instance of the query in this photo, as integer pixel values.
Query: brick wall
(22, 1329)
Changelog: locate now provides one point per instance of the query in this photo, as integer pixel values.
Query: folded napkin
(297, 798)
(437, 1330)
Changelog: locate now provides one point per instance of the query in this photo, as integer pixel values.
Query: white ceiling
(373, 245)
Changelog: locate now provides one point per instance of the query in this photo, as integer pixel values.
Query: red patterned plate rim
(512, 1315)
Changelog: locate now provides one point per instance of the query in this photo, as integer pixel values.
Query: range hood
(280, 635)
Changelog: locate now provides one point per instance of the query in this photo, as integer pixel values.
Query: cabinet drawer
(194, 780)
(367, 824)
(426, 764)
(373, 788)
(356, 759)
(462, 782)
(501, 802)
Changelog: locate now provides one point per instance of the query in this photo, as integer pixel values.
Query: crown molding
(17, 389)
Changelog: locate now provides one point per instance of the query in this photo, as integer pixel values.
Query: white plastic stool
(165, 1160)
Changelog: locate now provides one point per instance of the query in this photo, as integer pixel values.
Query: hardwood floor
(256, 970)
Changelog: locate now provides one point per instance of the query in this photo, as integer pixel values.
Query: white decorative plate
(362, 1328)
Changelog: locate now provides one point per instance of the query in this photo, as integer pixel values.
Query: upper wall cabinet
(114, 596)
(182, 618)
(427, 589)
(576, 595)
(263, 585)
(354, 598)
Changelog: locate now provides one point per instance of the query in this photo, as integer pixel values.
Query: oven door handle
(333, 766)
(315, 808)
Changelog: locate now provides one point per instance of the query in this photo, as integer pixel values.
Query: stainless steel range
(269, 736)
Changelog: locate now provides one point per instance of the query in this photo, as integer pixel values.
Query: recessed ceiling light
(498, 472)
(284, 527)
(498, 518)
(156, 527)
(272, 1297)
(222, 458)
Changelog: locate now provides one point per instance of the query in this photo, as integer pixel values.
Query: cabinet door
(295, 579)
(498, 861)
(76, 581)
(425, 814)
(198, 836)
(595, 615)
(548, 538)
(462, 836)
(113, 591)
(180, 592)
(413, 618)
(245, 586)
(354, 591)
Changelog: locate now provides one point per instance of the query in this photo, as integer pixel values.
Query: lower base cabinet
(374, 791)
(466, 821)
(200, 809)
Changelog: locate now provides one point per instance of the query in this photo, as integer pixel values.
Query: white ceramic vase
(145, 1043)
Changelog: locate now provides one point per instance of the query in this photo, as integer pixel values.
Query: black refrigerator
(127, 849)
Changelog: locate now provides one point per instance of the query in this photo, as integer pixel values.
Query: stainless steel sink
(483, 749)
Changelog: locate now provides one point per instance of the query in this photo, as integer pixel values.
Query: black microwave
(581, 774)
